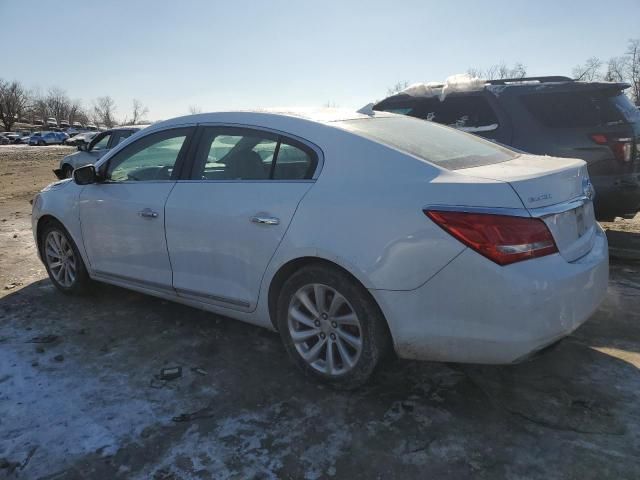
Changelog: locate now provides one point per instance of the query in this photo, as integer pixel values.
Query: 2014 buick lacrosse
(352, 235)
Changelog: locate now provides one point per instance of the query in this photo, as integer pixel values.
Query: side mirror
(82, 147)
(85, 175)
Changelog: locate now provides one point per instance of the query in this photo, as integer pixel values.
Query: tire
(41, 143)
(321, 349)
(67, 171)
(55, 243)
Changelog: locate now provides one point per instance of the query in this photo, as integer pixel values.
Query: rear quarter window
(572, 109)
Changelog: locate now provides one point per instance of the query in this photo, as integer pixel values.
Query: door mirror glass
(85, 175)
(82, 147)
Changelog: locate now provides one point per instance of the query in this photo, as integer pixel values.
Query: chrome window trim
(318, 151)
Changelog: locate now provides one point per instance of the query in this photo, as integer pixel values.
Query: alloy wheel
(60, 258)
(325, 329)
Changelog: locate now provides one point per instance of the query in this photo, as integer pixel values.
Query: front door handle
(266, 220)
(148, 213)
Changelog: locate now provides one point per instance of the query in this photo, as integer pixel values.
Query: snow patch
(462, 82)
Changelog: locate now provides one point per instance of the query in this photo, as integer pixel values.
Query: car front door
(224, 224)
(123, 217)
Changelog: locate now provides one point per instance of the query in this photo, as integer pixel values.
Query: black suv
(557, 116)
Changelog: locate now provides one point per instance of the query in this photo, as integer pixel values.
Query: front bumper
(475, 311)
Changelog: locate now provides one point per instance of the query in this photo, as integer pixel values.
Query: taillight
(622, 148)
(501, 238)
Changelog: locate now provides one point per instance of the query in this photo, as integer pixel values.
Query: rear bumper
(616, 195)
(475, 311)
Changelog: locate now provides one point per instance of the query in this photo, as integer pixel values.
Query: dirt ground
(79, 398)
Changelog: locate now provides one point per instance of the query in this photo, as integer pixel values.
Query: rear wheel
(63, 261)
(331, 327)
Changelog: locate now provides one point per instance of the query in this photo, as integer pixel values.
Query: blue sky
(243, 54)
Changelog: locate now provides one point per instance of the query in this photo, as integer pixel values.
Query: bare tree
(104, 111)
(194, 109)
(633, 69)
(138, 111)
(397, 88)
(57, 104)
(589, 72)
(616, 69)
(13, 100)
(77, 112)
(499, 71)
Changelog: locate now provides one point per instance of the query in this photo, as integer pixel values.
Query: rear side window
(471, 113)
(467, 113)
(429, 141)
(572, 109)
(235, 153)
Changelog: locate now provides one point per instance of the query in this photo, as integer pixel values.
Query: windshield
(443, 146)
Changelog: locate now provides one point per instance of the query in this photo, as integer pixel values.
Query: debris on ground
(44, 339)
(59, 358)
(199, 371)
(170, 373)
(11, 286)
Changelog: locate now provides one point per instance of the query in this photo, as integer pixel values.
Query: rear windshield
(443, 146)
(576, 109)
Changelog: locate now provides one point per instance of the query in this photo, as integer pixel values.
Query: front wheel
(63, 261)
(331, 327)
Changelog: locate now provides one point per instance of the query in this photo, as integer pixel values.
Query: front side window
(233, 153)
(101, 143)
(151, 158)
(119, 136)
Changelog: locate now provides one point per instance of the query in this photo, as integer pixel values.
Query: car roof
(265, 116)
(465, 84)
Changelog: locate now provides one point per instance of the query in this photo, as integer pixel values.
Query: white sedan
(351, 235)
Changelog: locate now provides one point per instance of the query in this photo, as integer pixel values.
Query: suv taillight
(502, 239)
(622, 148)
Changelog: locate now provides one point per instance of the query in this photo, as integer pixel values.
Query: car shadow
(411, 414)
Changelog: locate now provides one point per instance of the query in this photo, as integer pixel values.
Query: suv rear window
(573, 109)
(443, 146)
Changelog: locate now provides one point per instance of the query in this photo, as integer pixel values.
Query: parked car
(45, 138)
(24, 138)
(377, 232)
(4, 140)
(84, 137)
(10, 136)
(100, 143)
(52, 122)
(91, 127)
(594, 121)
(64, 124)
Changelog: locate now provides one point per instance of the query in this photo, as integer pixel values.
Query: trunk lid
(557, 190)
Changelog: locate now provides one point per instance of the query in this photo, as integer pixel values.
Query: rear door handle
(148, 213)
(266, 220)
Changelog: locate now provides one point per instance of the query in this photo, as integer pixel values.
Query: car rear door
(123, 217)
(225, 222)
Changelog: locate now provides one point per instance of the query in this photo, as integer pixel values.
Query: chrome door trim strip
(215, 298)
(142, 283)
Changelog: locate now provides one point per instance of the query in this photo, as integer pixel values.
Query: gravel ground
(79, 397)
